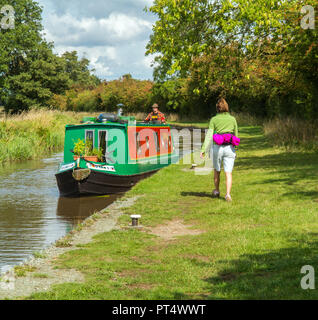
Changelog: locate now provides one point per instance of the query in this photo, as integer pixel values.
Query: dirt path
(39, 274)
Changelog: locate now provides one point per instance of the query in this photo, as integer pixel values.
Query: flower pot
(91, 158)
(88, 158)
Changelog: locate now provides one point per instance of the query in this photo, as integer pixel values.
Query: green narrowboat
(129, 151)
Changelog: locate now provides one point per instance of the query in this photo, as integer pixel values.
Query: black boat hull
(98, 183)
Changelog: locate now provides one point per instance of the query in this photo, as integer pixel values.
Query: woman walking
(223, 131)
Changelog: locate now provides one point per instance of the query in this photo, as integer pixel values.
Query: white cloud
(125, 27)
(112, 34)
(97, 8)
(101, 70)
(116, 28)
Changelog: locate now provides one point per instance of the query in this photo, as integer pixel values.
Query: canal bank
(39, 272)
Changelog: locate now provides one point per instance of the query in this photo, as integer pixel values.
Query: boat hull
(98, 183)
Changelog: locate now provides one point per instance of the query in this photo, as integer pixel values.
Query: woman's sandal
(228, 198)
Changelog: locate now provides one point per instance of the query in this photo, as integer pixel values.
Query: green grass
(39, 255)
(21, 271)
(252, 248)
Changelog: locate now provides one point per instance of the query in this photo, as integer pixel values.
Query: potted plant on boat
(86, 150)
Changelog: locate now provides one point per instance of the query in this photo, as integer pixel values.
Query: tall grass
(292, 133)
(33, 134)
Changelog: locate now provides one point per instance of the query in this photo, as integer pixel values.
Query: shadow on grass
(292, 166)
(271, 275)
(197, 194)
(303, 194)
(283, 159)
(202, 195)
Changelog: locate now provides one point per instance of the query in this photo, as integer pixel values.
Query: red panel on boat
(145, 142)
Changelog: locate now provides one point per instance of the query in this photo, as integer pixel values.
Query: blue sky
(112, 34)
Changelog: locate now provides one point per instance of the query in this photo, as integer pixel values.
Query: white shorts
(225, 154)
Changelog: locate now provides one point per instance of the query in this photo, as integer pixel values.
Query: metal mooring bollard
(135, 220)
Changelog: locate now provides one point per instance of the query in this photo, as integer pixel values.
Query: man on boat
(156, 116)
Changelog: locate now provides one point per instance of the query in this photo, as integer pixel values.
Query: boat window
(138, 144)
(147, 142)
(102, 138)
(157, 146)
(89, 138)
(165, 140)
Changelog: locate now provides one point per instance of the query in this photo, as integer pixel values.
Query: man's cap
(155, 106)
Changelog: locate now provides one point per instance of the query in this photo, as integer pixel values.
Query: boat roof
(116, 124)
(112, 120)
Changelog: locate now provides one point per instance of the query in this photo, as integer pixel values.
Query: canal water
(33, 216)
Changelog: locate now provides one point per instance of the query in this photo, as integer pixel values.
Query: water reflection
(76, 210)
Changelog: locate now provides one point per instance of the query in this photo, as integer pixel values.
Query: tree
(170, 95)
(16, 44)
(134, 94)
(30, 73)
(78, 70)
(237, 38)
(189, 28)
(42, 74)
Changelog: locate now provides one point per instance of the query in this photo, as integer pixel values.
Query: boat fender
(81, 174)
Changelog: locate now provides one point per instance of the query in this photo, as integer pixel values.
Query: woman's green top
(221, 123)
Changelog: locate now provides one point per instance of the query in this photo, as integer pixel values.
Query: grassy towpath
(196, 247)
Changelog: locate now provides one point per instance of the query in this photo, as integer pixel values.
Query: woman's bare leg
(228, 176)
(217, 180)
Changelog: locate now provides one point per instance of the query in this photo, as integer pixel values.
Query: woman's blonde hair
(222, 106)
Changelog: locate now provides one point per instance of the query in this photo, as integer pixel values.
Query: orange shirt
(156, 117)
